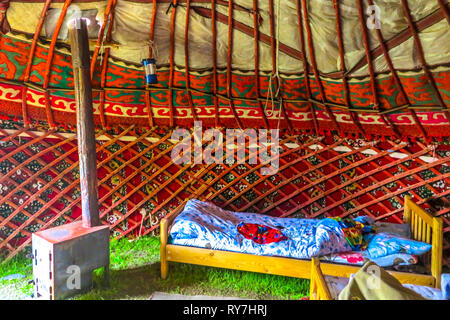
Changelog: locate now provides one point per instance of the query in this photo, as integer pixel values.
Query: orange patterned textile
(394, 83)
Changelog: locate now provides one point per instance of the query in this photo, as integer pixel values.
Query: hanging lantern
(150, 71)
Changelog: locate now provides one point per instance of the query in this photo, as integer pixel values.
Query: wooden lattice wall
(353, 97)
(139, 183)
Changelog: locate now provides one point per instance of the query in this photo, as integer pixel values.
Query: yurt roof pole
(85, 122)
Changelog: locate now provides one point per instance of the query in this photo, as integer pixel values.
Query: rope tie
(102, 50)
(269, 93)
(279, 114)
(151, 44)
(171, 5)
(256, 12)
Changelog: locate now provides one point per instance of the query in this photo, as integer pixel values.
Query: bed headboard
(426, 228)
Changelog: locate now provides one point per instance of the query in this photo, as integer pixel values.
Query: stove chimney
(79, 43)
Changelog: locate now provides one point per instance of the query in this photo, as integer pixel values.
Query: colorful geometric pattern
(139, 183)
(123, 99)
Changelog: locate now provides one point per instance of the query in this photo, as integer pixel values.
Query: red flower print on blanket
(260, 233)
(352, 257)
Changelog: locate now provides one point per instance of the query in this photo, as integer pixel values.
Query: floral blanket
(204, 225)
(260, 233)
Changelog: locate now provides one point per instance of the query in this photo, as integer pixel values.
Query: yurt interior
(259, 150)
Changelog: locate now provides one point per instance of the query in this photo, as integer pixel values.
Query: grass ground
(135, 271)
(17, 289)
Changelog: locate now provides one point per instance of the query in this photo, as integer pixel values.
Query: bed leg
(163, 252)
(436, 252)
(164, 269)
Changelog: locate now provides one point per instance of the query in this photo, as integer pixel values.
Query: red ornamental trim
(13, 93)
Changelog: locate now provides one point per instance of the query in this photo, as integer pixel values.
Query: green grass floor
(135, 274)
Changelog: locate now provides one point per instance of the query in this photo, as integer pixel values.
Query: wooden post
(436, 252)
(85, 122)
(164, 228)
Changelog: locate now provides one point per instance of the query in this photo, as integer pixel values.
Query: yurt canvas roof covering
(299, 65)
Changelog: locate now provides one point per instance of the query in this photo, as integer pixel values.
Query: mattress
(204, 225)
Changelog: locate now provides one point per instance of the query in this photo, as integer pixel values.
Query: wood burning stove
(65, 257)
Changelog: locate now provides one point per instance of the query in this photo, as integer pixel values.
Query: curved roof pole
(48, 63)
(396, 78)
(101, 33)
(305, 68)
(373, 81)
(257, 83)
(172, 62)
(26, 75)
(187, 75)
(147, 95)
(214, 62)
(104, 68)
(229, 64)
(444, 9)
(312, 56)
(340, 40)
(421, 55)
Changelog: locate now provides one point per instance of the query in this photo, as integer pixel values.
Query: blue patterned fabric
(445, 285)
(433, 293)
(383, 244)
(205, 225)
(425, 291)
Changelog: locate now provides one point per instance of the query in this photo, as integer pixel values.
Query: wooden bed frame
(318, 287)
(424, 227)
